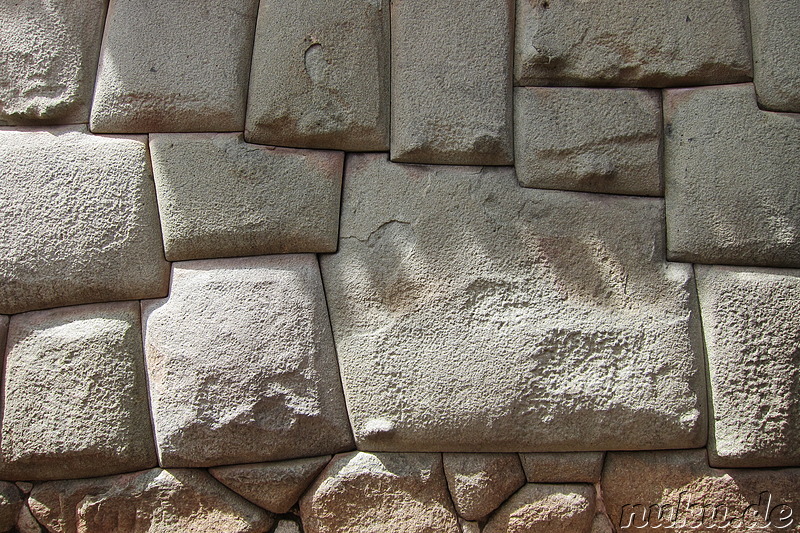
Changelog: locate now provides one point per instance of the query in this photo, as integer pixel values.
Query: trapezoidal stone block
(565, 467)
(451, 82)
(168, 66)
(473, 315)
(730, 174)
(546, 508)
(320, 75)
(776, 54)
(242, 365)
(78, 220)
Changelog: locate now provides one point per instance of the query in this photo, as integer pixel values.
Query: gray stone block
(480, 482)
(544, 508)
(565, 467)
(776, 53)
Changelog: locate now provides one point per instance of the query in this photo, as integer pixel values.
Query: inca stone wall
(399, 266)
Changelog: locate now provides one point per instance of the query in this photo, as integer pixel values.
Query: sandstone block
(480, 482)
(544, 508)
(575, 467)
(473, 315)
(78, 220)
(451, 82)
(219, 196)
(242, 364)
(168, 66)
(11, 503)
(320, 75)
(776, 54)
(594, 140)
(730, 174)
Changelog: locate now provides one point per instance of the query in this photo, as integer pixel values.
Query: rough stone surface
(451, 82)
(480, 482)
(544, 508)
(469, 527)
(730, 174)
(594, 140)
(78, 220)
(751, 322)
(26, 523)
(11, 503)
(274, 486)
(75, 397)
(575, 467)
(242, 364)
(366, 492)
(220, 197)
(602, 524)
(168, 66)
(3, 333)
(473, 315)
(153, 501)
(320, 76)
(287, 526)
(48, 58)
(776, 53)
(648, 43)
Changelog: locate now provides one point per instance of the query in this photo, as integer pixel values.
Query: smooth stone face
(544, 508)
(366, 492)
(169, 66)
(480, 482)
(776, 53)
(451, 82)
(11, 503)
(647, 43)
(221, 197)
(274, 486)
(576, 467)
(75, 397)
(242, 365)
(320, 75)
(78, 220)
(594, 140)
(731, 171)
(751, 321)
(48, 59)
(497, 318)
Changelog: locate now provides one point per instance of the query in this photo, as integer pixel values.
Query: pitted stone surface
(320, 75)
(48, 58)
(242, 364)
(366, 492)
(594, 140)
(287, 526)
(480, 482)
(11, 503)
(78, 220)
(451, 82)
(574, 467)
(220, 197)
(75, 397)
(730, 174)
(544, 508)
(648, 43)
(751, 321)
(776, 53)
(26, 523)
(168, 66)
(473, 315)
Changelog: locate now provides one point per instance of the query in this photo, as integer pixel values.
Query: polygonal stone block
(546, 508)
(480, 482)
(564, 467)
(776, 53)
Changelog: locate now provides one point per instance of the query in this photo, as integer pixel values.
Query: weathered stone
(730, 174)
(751, 321)
(451, 82)
(274, 486)
(469, 527)
(287, 526)
(48, 59)
(575, 467)
(24, 486)
(595, 140)
(320, 75)
(602, 524)
(26, 523)
(75, 397)
(473, 315)
(153, 501)
(11, 503)
(657, 491)
(366, 492)
(242, 364)
(169, 66)
(480, 482)
(220, 197)
(3, 333)
(776, 53)
(546, 508)
(78, 220)
(648, 43)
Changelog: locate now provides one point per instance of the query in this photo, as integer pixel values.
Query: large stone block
(174, 66)
(78, 220)
(647, 43)
(320, 75)
(480, 482)
(220, 197)
(730, 174)
(75, 395)
(575, 467)
(776, 53)
(242, 364)
(48, 59)
(543, 508)
(751, 322)
(451, 82)
(473, 315)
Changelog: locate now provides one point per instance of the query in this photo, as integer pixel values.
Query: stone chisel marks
(776, 53)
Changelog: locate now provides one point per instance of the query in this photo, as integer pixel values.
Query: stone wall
(409, 266)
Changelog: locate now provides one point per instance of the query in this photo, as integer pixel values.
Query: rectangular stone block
(575, 467)
(451, 82)
(776, 53)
